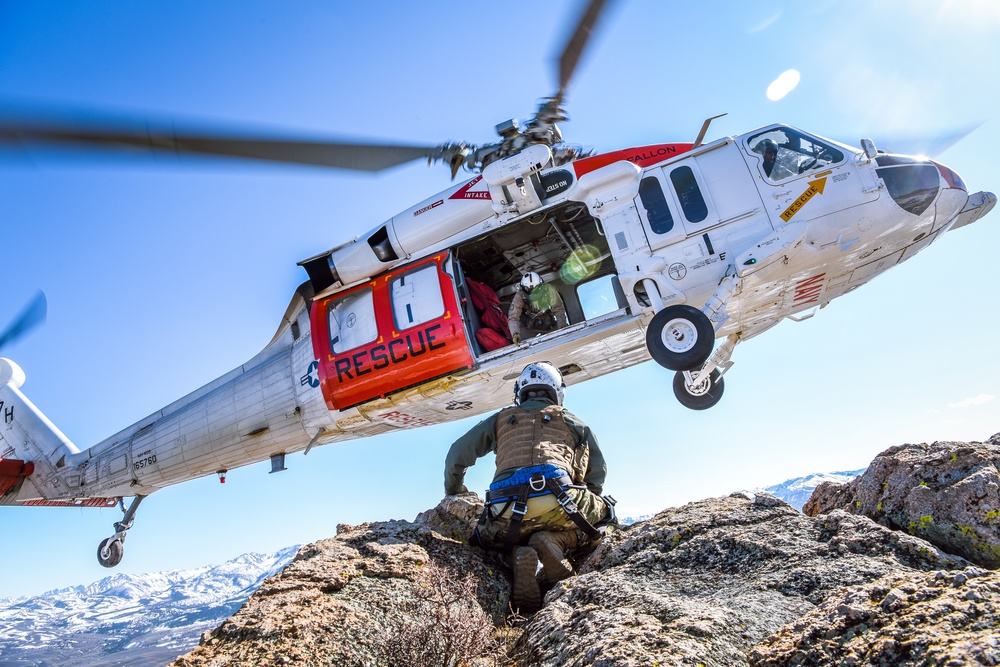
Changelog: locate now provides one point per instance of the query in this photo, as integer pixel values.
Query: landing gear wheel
(680, 338)
(703, 395)
(110, 552)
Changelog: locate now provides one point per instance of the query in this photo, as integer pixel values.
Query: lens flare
(784, 84)
(582, 263)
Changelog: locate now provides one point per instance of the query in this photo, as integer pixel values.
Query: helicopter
(657, 251)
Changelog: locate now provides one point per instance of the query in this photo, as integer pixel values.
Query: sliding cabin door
(389, 333)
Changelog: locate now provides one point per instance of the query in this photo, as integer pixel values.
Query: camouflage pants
(544, 513)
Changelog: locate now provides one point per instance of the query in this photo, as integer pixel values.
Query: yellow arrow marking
(815, 188)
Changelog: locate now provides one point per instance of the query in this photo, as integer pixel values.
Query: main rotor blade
(340, 155)
(31, 317)
(928, 145)
(577, 42)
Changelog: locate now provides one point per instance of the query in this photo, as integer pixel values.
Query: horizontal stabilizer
(12, 471)
(979, 204)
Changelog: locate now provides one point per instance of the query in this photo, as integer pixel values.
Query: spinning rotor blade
(930, 146)
(577, 42)
(542, 128)
(32, 316)
(340, 155)
(123, 135)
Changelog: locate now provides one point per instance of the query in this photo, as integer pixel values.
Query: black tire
(110, 552)
(680, 338)
(704, 396)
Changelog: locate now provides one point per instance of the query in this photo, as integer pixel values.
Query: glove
(517, 339)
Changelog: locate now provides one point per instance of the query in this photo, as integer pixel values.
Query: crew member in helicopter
(545, 500)
(769, 150)
(535, 309)
(777, 169)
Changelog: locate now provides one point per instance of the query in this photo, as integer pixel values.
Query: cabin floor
(566, 246)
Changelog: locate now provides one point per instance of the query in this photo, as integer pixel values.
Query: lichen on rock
(947, 493)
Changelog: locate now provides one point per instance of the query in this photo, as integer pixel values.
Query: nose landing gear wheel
(701, 396)
(110, 552)
(680, 338)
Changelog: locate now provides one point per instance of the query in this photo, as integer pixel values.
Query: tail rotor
(32, 316)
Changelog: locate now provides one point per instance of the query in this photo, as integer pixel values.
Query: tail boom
(33, 451)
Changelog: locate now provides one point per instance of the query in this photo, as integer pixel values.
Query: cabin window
(416, 297)
(352, 321)
(655, 202)
(689, 194)
(598, 296)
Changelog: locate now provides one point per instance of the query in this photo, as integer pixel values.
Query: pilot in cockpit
(770, 151)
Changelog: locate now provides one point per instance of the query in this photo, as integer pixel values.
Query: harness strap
(517, 495)
(516, 517)
(536, 488)
(572, 510)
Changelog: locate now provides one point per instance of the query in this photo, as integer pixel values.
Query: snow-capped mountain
(130, 619)
(796, 491)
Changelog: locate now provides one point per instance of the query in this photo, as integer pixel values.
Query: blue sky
(163, 273)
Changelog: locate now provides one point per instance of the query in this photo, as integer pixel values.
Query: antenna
(704, 130)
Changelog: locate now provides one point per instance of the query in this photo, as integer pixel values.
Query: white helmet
(541, 376)
(530, 281)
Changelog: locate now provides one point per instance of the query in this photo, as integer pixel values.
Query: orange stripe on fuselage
(643, 156)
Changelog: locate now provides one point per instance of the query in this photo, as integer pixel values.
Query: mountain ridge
(797, 490)
(133, 619)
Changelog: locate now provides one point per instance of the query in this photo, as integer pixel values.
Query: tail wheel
(701, 396)
(680, 338)
(110, 552)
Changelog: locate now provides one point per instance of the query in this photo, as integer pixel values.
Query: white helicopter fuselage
(386, 336)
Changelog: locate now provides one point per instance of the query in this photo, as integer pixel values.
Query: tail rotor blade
(31, 317)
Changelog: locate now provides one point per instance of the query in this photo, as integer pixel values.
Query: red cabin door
(392, 332)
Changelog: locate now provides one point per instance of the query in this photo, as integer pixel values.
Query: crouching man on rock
(545, 499)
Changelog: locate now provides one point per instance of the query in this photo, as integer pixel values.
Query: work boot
(525, 596)
(552, 547)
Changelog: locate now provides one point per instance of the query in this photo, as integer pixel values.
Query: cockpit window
(786, 152)
(912, 183)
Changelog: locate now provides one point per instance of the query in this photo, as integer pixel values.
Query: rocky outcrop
(933, 618)
(727, 581)
(369, 596)
(947, 493)
(703, 583)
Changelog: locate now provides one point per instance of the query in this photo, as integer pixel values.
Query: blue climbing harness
(531, 482)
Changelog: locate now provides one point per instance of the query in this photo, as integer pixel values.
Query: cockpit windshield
(786, 152)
